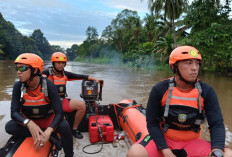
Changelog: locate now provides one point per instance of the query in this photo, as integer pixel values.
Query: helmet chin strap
(181, 78)
(59, 71)
(32, 77)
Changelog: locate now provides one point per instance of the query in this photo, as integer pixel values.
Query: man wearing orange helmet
(176, 109)
(59, 76)
(36, 108)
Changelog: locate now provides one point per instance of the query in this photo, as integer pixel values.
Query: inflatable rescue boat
(23, 147)
(100, 121)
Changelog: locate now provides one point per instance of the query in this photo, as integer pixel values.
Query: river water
(119, 83)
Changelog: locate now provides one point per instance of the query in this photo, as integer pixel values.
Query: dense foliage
(13, 43)
(205, 24)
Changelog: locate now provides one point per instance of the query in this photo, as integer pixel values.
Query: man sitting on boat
(36, 108)
(176, 109)
(59, 77)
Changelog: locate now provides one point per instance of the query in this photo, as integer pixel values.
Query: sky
(64, 22)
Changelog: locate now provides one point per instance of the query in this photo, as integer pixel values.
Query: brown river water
(119, 83)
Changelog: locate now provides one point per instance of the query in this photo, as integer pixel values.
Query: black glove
(179, 152)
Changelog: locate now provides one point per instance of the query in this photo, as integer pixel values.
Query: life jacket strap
(51, 72)
(44, 86)
(165, 127)
(23, 91)
(198, 121)
(198, 86)
(171, 86)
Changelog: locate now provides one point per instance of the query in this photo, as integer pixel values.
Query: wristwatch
(217, 153)
(26, 121)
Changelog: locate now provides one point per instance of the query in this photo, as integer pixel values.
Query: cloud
(64, 21)
(64, 43)
(136, 5)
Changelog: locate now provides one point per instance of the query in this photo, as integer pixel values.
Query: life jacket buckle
(165, 128)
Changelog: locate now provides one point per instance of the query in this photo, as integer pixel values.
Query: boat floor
(117, 149)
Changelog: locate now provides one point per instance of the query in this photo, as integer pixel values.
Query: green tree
(72, 52)
(211, 33)
(202, 13)
(172, 9)
(57, 48)
(124, 33)
(92, 39)
(107, 33)
(81, 52)
(163, 48)
(10, 39)
(92, 34)
(42, 44)
(150, 27)
(155, 27)
(1, 51)
(30, 46)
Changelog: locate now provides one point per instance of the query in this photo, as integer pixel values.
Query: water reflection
(7, 77)
(223, 87)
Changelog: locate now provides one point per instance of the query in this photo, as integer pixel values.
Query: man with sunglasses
(36, 108)
(59, 76)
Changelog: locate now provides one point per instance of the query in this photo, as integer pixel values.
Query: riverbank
(120, 63)
(159, 67)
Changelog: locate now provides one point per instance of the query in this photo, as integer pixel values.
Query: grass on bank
(132, 65)
(148, 65)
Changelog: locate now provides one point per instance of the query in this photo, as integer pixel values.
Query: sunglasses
(21, 69)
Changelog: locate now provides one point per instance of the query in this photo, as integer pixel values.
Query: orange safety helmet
(58, 57)
(182, 53)
(30, 59)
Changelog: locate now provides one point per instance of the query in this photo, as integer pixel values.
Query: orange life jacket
(36, 107)
(182, 115)
(60, 82)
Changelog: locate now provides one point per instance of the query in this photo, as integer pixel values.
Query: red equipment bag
(105, 124)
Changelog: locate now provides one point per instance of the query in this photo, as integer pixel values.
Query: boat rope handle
(115, 111)
(134, 106)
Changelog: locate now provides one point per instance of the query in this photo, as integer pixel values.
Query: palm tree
(172, 9)
(163, 47)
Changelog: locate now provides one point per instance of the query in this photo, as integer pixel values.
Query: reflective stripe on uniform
(182, 98)
(59, 81)
(35, 100)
